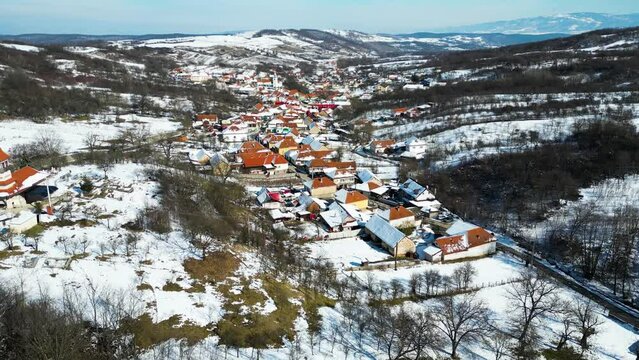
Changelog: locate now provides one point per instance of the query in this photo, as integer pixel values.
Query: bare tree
(431, 280)
(585, 313)
(531, 298)
(498, 342)
(91, 141)
(167, 145)
(567, 318)
(462, 318)
(463, 276)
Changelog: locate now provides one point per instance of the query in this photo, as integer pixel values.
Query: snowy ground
(155, 261)
(73, 133)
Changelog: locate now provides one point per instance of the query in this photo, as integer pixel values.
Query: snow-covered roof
(460, 227)
(263, 197)
(384, 231)
(432, 250)
(277, 214)
(366, 175)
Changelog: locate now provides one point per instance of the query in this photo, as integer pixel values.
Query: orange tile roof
(322, 182)
(457, 243)
(17, 178)
(267, 159)
(287, 143)
(383, 143)
(399, 212)
(202, 117)
(3, 156)
(355, 196)
(251, 146)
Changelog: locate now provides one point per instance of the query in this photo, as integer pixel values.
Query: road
(616, 309)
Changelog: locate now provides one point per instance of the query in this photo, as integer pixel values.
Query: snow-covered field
(73, 133)
(155, 261)
(21, 47)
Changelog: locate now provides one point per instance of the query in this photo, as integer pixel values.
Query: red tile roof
(457, 243)
(399, 212)
(322, 182)
(355, 196)
(202, 117)
(3, 156)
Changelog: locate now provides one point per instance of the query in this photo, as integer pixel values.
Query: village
(297, 162)
(314, 186)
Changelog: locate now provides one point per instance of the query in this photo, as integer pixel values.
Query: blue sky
(209, 16)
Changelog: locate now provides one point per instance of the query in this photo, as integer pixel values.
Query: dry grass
(216, 267)
(171, 286)
(144, 286)
(5, 254)
(147, 334)
(253, 329)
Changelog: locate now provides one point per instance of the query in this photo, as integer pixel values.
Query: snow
(347, 252)
(243, 40)
(73, 133)
(155, 261)
(26, 48)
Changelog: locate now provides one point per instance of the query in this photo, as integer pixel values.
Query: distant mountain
(74, 39)
(573, 23)
(300, 41)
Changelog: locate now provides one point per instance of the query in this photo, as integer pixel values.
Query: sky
(214, 16)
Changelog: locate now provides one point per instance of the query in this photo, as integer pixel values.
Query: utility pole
(396, 256)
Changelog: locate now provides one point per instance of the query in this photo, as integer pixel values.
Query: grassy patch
(215, 268)
(64, 223)
(257, 330)
(147, 334)
(196, 288)
(34, 231)
(5, 254)
(144, 286)
(171, 286)
(80, 256)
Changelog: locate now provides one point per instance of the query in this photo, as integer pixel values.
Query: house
(4, 160)
(308, 205)
(415, 146)
(235, 133)
(25, 221)
(340, 217)
(199, 157)
(400, 112)
(471, 243)
(13, 184)
(412, 191)
(285, 145)
(268, 199)
(265, 163)
(321, 187)
(219, 165)
(371, 188)
(380, 146)
(399, 217)
(207, 117)
(366, 176)
(354, 198)
(393, 240)
(341, 177)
